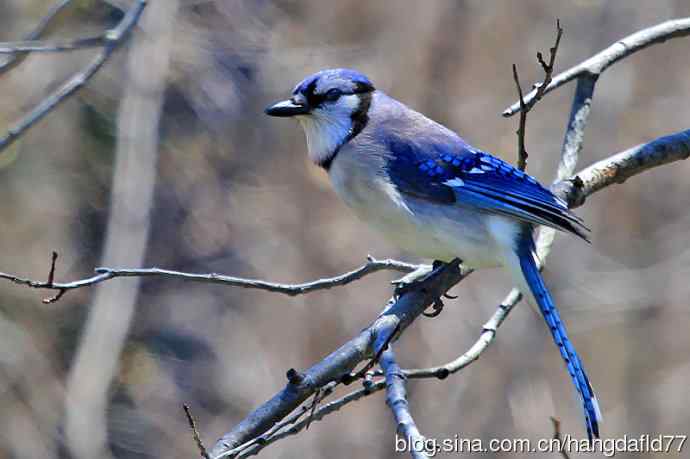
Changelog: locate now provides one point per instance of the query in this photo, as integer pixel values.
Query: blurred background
(166, 159)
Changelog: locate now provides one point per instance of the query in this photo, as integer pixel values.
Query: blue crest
(351, 78)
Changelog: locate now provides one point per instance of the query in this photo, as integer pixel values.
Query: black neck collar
(360, 118)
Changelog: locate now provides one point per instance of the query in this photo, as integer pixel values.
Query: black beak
(286, 108)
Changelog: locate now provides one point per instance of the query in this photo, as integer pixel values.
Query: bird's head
(331, 106)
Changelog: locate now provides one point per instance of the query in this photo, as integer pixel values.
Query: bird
(433, 194)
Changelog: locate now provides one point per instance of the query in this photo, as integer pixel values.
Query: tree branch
(16, 59)
(112, 40)
(396, 317)
(195, 432)
(620, 167)
(294, 428)
(103, 274)
(396, 399)
(597, 64)
(526, 106)
(522, 151)
(27, 46)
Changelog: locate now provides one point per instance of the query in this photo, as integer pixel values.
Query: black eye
(333, 94)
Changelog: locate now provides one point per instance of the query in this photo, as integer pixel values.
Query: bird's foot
(412, 281)
(415, 280)
(436, 308)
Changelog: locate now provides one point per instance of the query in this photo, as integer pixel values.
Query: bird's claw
(437, 307)
(410, 282)
(403, 286)
(414, 280)
(437, 264)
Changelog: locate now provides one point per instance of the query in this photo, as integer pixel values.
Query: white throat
(328, 128)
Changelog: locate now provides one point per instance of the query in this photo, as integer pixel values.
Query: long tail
(532, 286)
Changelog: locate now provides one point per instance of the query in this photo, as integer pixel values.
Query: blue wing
(455, 173)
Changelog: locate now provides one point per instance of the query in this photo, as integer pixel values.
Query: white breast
(429, 230)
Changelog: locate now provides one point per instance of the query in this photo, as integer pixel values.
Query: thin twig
(264, 439)
(112, 39)
(597, 64)
(526, 106)
(296, 427)
(522, 152)
(16, 59)
(51, 279)
(557, 436)
(380, 347)
(51, 274)
(195, 433)
(314, 404)
(570, 151)
(103, 274)
(486, 337)
(27, 46)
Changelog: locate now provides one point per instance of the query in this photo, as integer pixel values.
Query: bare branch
(597, 64)
(557, 436)
(526, 106)
(113, 38)
(51, 274)
(103, 274)
(13, 47)
(398, 314)
(195, 432)
(296, 427)
(256, 444)
(522, 152)
(487, 337)
(622, 166)
(16, 59)
(396, 398)
(570, 152)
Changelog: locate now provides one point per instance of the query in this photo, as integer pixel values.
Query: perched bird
(432, 193)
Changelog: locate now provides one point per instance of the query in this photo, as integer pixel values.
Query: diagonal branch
(396, 399)
(620, 167)
(113, 39)
(27, 46)
(16, 59)
(597, 64)
(286, 429)
(397, 315)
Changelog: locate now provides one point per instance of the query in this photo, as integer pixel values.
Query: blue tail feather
(525, 250)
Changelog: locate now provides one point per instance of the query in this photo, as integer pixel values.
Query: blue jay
(432, 193)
